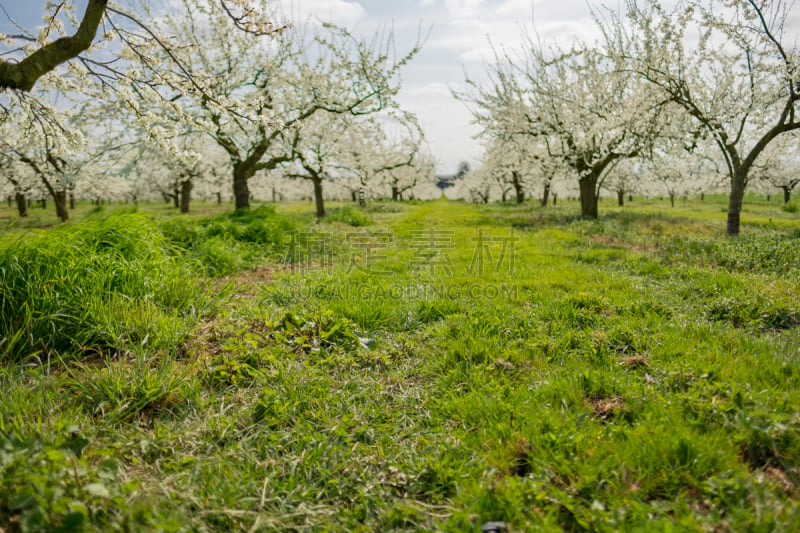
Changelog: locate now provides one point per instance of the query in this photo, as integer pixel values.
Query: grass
(105, 283)
(637, 372)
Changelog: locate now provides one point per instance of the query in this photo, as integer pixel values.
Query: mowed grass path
(629, 374)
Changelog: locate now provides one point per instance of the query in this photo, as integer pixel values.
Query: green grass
(226, 243)
(39, 218)
(101, 285)
(637, 372)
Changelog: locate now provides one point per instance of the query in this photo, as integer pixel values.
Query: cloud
(463, 7)
(461, 34)
(429, 90)
(345, 12)
(566, 32)
(519, 8)
(482, 54)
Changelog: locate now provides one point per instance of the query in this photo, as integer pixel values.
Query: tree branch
(23, 75)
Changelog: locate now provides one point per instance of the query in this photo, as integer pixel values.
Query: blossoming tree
(254, 96)
(581, 105)
(730, 64)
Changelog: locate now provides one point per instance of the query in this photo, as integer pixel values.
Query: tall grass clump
(350, 215)
(230, 242)
(100, 285)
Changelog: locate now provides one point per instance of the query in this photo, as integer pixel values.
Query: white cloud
(461, 34)
(518, 8)
(345, 12)
(566, 32)
(431, 89)
(482, 54)
(463, 7)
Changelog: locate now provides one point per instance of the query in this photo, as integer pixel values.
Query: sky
(460, 35)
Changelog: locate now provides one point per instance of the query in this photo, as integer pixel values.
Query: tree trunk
(10, 201)
(588, 187)
(176, 197)
(186, 195)
(43, 203)
(29, 203)
(621, 198)
(503, 195)
(630, 198)
(219, 198)
(395, 193)
(555, 198)
(787, 195)
(22, 204)
(354, 195)
(60, 199)
(546, 194)
(241, 192)
(318, 199)
(735, 204)
(672, 200)
(72, 200)
(702, 196)
(517, 183)
(362, 197)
